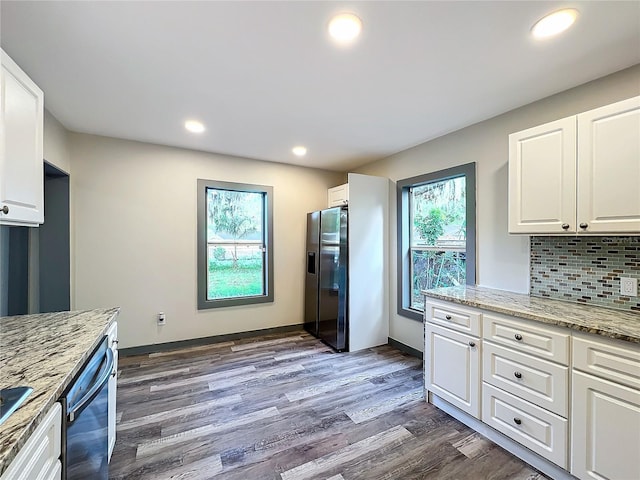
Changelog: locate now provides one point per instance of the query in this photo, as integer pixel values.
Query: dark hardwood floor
(287, 407)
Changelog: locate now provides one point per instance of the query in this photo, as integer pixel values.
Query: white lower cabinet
(605, 428)
(452, 365)
(536, 428)
(39, 458)
(112, 335)
(538, 381)
(570, 398)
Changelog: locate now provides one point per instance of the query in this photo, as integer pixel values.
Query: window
(436, 234)
(235, 237)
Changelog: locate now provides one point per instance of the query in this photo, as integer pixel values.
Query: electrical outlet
(629, 286)
(161, 319)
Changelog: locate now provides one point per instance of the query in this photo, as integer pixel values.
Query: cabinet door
(21, 160)
(452, 367)
(605, 432)
(542, 178)
(609, 168)
(39, 457)
(338, 196)
(112, 335)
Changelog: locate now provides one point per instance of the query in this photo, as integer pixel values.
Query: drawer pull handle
(517, 421)
(472, 344)
(517, 374)
(448, 317)
(518, 337)
(4, 209)
(565, 226)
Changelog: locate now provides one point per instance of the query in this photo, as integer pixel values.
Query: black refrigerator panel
(312, 275)
(332, 297)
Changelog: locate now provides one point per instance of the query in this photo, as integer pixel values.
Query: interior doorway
(54, 246)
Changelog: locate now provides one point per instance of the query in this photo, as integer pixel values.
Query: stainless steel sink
(11, 399)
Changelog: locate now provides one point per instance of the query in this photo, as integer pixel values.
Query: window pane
(438, 213)
(235, 271)
(434, 269)
(233, 216)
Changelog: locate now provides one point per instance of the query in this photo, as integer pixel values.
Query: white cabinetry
(368, 261)
(605, 429)
(524, 396)
(452, 355)
(21, 156)
(39, 458)
(579, 174)
(112, 335)
(338, 196)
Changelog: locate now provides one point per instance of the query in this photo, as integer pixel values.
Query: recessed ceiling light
(299, 151)
(554, 23)
(194, 126)
(345, 27)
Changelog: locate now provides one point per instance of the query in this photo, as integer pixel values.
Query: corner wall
(502, 259)
(135, 218)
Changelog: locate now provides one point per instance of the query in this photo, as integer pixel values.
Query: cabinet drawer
(540, 382)
(39, 455)
(615, 361)
(532, 426)
(457, 318)
(547, 342)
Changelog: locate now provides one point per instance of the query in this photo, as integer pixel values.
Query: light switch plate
(629, 286)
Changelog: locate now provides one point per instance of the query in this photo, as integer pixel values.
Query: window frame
(404, 268)
(202, 257)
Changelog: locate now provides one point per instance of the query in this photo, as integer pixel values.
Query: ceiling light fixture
(554, 23)
(194, 126)
(345, 27)
(299, 151)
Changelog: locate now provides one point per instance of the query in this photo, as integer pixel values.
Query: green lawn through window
(229, 279)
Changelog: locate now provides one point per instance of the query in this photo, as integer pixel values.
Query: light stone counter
(45, 352)
(618, 324)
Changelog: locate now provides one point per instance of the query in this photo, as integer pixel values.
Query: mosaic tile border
(585, 269)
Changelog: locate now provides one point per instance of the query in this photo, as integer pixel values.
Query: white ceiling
(263, 76)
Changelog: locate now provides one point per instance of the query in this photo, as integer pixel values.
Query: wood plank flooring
(287, 407)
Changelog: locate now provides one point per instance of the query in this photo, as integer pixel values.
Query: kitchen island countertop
(43, 351)
(617, 324)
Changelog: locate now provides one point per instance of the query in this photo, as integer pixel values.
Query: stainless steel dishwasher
(85, 419)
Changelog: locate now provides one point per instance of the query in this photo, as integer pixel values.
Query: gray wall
(135, 236)
(502, 259)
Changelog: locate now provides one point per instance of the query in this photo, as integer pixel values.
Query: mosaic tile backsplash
(585, 269)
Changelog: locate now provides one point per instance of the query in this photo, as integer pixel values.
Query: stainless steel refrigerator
(326, 284)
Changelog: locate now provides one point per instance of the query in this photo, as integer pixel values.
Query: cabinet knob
(448, 317)
(472, 344)
(565, 226)
(518, 337)
(584, 225)
(517, 421)
(4, 210)
(517, 374)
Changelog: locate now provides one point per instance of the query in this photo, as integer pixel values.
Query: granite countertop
(45, 352)
(608, 322)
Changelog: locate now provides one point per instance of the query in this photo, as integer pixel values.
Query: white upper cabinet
(338, 196)
(542, 179)
(609, 168)
(579, 174)
(21, 152)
